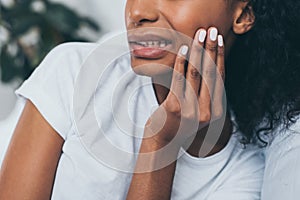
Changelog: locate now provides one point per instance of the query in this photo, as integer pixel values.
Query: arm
(188, 97)
(29, 167)
(150, 183)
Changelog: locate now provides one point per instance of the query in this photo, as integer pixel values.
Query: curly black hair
(263, 73)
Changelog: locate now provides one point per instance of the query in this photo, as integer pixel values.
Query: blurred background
(29, 29)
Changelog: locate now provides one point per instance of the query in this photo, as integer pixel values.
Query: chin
(152, 68)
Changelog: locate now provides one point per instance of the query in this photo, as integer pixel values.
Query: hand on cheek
(196, 94)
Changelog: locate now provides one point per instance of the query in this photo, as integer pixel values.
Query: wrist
(155, 154)
(156, 143)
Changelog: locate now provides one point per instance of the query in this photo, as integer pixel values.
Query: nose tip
(142, 11)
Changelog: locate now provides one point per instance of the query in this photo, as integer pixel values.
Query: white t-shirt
(282, 172)
(233, 173)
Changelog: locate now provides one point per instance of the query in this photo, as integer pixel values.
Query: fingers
(194, 67)
(218, 107)
(208, 75)
(204, 78)
(178, 79)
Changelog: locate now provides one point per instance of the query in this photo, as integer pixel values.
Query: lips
(149, 46)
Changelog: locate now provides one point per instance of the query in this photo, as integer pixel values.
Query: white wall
(108, 13)
(7, 100)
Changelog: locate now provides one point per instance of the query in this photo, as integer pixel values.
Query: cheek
(126, 15)
(189, 20)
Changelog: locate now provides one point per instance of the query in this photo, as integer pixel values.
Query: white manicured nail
(184, 49)
(220, 40)
(202, 36)
(213, 34)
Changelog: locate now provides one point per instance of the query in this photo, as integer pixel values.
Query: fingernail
(184, 49)
(202, 36)
(220, 40)
(213, 34)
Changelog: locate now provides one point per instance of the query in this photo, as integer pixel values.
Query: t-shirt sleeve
(282, 173)
(50, 87)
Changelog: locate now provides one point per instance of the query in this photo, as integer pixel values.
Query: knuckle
(221, 51)
(194, 74)
(178, 77)
(221, 73)
(190, 116)
(211, 47)
(205, 117)
(173, 106)
(218, 113)
(180, 60)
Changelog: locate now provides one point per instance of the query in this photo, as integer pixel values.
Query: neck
(161, 85)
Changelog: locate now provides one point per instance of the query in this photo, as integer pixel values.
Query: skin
(29, 168)
(30, 164)
(178, 103)
(190, 16)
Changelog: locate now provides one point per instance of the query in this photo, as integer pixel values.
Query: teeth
(163, 44)
(160, 44)
(143, 43)
(156, 43)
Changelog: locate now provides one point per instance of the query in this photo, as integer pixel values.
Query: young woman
(48, 158)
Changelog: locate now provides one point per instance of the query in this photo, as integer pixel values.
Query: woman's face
(154, 26)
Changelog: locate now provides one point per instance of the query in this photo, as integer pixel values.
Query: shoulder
(284, 148)
(284, 139)
(50, 87)
(242, 176)
(59, 68)
(236, 161)
(282, 164)
(62, 63)
(67, 55)
(80, 49)
(69, 58)
(245, 169)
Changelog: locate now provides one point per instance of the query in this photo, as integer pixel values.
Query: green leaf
(20, 27)
(62, 18)
(9, 67)
(57, 24)
(90, 23)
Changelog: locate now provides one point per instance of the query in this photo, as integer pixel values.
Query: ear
(244, 17)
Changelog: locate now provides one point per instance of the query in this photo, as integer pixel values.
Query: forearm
(30, 164)
(154, 172)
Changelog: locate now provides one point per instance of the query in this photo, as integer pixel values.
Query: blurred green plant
(29, 29)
